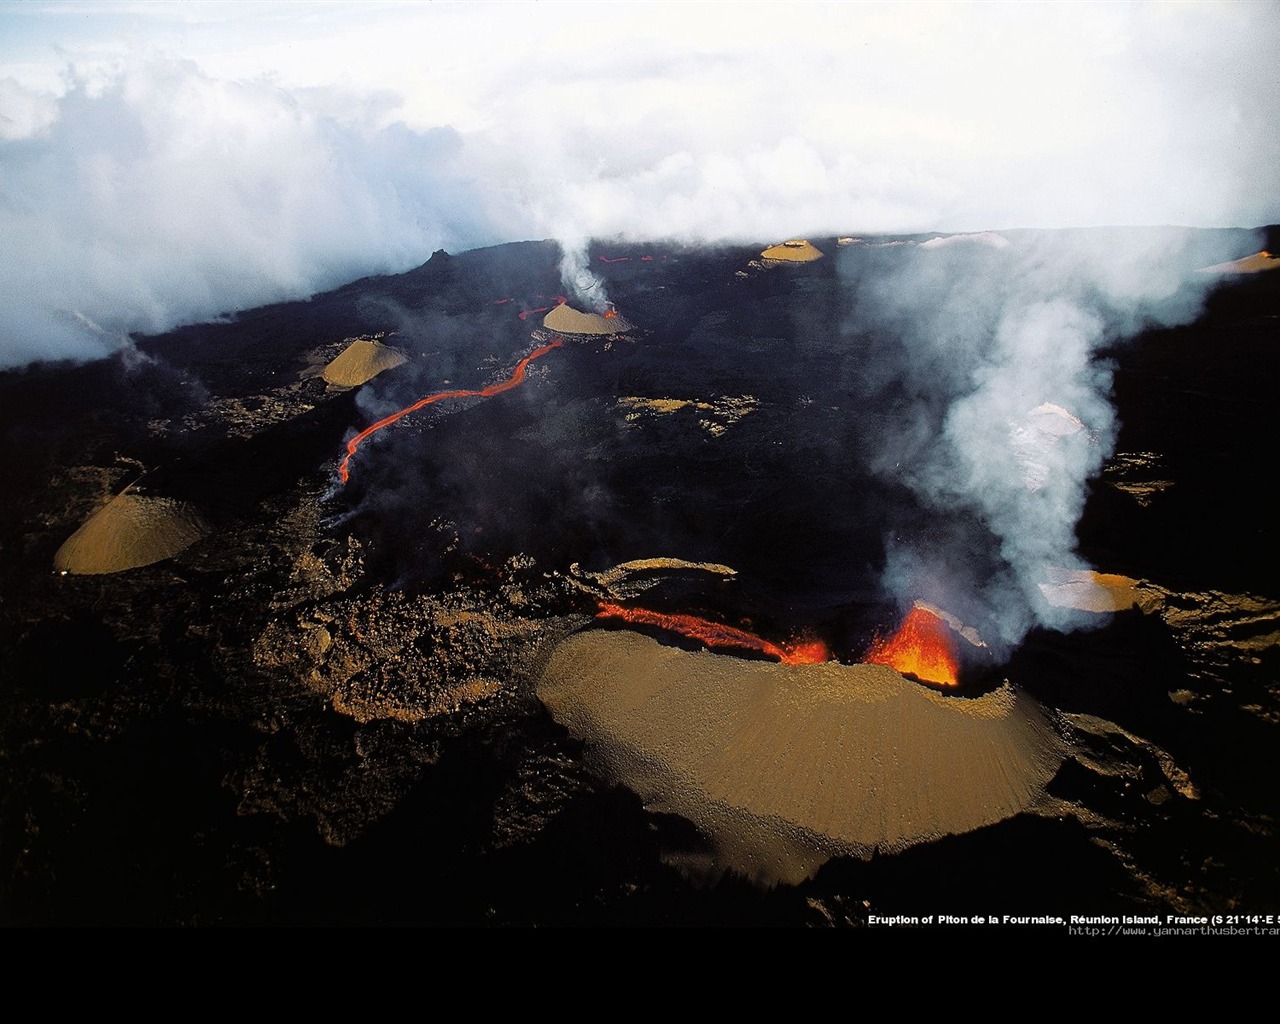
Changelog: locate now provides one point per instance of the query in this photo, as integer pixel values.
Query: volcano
(913, 579)
(781, 766)
(130, 531)
(567, 320)
(360, 362)
(797, 250)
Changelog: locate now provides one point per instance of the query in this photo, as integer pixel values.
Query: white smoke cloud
(1013, 413)
(23, 112)
(586, 289)
(163, 196)
(165, 163)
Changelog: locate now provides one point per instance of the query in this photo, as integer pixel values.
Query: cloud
(192, 159)
(163, 196)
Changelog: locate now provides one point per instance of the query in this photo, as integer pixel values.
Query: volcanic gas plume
(991, 364)
(719, 635)
(585, 287)
(515, 380)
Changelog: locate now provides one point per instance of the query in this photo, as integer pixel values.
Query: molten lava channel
(515, 380)
(922, 647)
(556, 300)
(718, 635)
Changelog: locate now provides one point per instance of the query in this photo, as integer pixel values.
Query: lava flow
(921, 647)
(717, 634)
(516, 378)
(557, 300)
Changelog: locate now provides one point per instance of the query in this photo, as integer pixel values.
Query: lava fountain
(921, 647)
(515, 380)
(718, 634)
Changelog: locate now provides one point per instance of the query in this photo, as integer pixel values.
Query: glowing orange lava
(557, 300)
(610, 313)
(515, 380)
(921, 647)
(717, 634)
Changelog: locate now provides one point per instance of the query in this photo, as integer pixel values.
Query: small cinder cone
(564, 319)
(795, 251)
(784, 766)
(130, 531)
(361, 361)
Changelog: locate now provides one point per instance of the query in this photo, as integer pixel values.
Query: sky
(163, 163)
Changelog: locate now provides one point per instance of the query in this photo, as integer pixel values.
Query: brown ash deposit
(286, 701)
(130, 531)
(781, 767)
(360, 362)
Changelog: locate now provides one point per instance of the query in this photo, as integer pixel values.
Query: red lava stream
(515, 380)
(921, 647)
(556, 300)
(717, 634)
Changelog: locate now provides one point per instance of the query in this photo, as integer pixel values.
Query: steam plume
(1001, 403)
(585, 288)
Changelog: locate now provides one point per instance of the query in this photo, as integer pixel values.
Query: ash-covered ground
(323, 712)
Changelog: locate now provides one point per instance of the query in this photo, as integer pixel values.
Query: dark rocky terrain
(323, 713)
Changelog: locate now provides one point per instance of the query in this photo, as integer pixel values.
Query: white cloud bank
(161, 164)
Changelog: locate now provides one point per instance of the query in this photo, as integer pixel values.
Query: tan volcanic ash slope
(128, 532)
(564, 319)
(1254, 264)
(361, 361)
(784, 766)
(797, 250)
